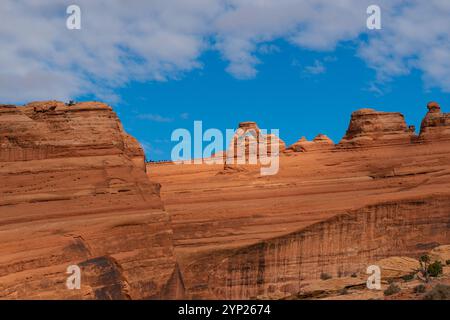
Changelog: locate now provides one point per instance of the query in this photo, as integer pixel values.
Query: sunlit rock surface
(74, 192)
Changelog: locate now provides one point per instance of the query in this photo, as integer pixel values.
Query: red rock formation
(371, 127)
(435, 125)
(74, 192)
(320, 142)
(379, 194)
(250, 146)
(248, 136)
(339, 246)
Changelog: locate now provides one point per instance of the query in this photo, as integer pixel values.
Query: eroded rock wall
(74, 192)
(383, 191)
(339, 247)
(369, 127)
(435, 125)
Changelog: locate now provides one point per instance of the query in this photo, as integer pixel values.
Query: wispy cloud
(162, 40)
(374, 88)
(162, 141)
(319, 66)
(267, 48)
(150, 150)
(316, 68)
(154, 117)
(184, 115)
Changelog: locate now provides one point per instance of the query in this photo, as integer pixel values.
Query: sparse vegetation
(420, 288)
(354, 275)
(392, 289)
(439, 292)
(447, 262)
(435, 269)
(325, 276)
(157, 161)
(408, 277)
(424, 264)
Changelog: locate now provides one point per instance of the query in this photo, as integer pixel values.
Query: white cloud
(316, 68)
(162, 141)
(150, 150)
(154, 117)
(161, 40)
(184, 115)
(414, 36)
(267, 48)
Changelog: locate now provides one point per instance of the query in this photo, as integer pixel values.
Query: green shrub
(325, 276)
(424, 264)
(392, 289)
(439, 292)
(435, 269)
(420, 288)
(408, 277)
(447, 262)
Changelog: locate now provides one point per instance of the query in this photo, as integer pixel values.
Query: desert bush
(435, 269)
(392, 289)
(354, 275)
(439, 292)
(408, 277)
(428, 269)
(325, 276)
(420, 288)
(447, 262)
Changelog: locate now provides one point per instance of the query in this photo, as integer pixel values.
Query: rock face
(339, 246)
(435, 125)
(400, 270)
(50, 129)
(320, 142)
(249, 138)
(380, 193)
(74, 192)
(371, 127)
(251, 146)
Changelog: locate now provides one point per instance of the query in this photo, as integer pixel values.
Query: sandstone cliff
(250, 139)
(368, 126)
(435, 125)
(381, 192)
(320, 142)
(74, 192)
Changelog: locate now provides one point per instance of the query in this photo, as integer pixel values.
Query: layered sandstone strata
(435, 125)
(250, 146)
(368, 126)
(249, 139)
(74, 192)
(320, 142)
(382, 192)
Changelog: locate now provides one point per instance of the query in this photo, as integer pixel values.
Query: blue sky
(299, 66)
(289, 93)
